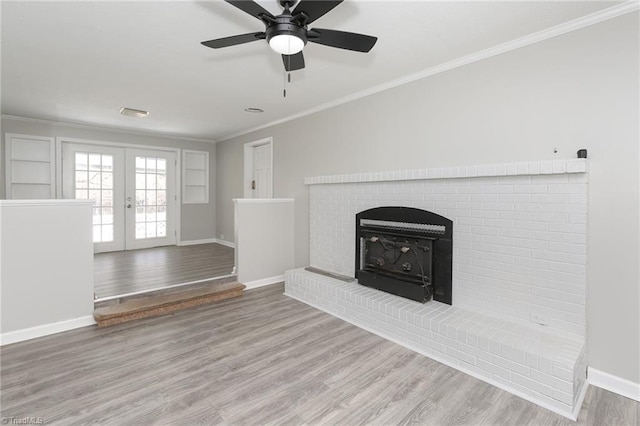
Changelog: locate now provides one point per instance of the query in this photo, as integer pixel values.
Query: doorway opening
(258, 169)
(134, 193)
(136, 218)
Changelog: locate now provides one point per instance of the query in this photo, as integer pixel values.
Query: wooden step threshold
(155, 305)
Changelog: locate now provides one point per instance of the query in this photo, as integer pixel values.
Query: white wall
(46, 259)
(197, 220)
(264, 239)
(578, 90)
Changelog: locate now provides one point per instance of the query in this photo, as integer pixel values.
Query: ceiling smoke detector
(138, 113)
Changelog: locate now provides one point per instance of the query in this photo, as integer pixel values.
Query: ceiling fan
(287, 33)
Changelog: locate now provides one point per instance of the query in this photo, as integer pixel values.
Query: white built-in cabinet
(30, 167)
(195, 177)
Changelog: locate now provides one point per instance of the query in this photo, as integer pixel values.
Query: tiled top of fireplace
(544, 167)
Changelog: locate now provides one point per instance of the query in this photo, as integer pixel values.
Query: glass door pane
(97, 173)
(151, 197)
(94, 181)
(151, 188)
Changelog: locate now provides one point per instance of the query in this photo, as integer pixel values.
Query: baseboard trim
(226, 243)
(614, 384)
(568, 414)
(45, 330)
(263, 282)
(196, 242)
(580, 400)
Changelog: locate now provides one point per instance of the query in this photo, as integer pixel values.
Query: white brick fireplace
(519, 271)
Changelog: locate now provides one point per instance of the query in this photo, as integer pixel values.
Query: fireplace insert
(405, 251)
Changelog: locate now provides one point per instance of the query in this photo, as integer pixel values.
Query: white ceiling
(81, 61)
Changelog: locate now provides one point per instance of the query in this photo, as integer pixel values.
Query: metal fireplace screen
(405, 251)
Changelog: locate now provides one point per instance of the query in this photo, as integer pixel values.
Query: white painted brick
(511, 366)
(568, 228)
(569, 188)
(568, 248)
(551, 381)
(550, 179)
(532, 360)
(534, 226)
(546, 167)
(498, 189)
(576, 165)
(492, 170)
(562, 373)
(532, 384)
(579, 178)
(577, 198)
(577, 218)
(550, 217)
(494, 369)
(534, 167)
(522, 168)
(564, 397)
(460, 355)
(532, 189)
(559, 166)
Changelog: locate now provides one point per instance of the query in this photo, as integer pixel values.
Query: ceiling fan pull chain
(284, 84)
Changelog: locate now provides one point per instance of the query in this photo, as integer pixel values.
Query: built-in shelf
(30, 166)
(195, 177)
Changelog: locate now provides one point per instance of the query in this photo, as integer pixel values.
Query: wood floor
(259, 359)
(124, 272)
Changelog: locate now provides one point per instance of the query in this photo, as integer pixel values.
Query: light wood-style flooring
(124, 272)
(259, 359)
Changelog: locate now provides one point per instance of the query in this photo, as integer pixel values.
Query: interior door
(262, 185)
(96, 172)
(150, 198)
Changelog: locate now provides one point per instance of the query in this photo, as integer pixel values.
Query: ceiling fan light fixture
(286, 44)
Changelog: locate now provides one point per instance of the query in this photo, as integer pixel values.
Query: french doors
(133, 191)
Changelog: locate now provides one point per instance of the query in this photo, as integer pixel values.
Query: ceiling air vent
(134, 112)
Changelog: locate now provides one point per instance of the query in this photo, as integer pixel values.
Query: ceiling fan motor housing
(284, 26)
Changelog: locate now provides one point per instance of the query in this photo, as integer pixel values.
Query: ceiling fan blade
(234, 40)
(342, 39)
(293, 62)
(251, 7)
(315, 9)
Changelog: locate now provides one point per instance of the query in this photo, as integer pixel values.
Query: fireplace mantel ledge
(520, 168)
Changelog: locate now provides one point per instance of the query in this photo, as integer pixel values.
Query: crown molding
(104, 128)
(566, 27)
